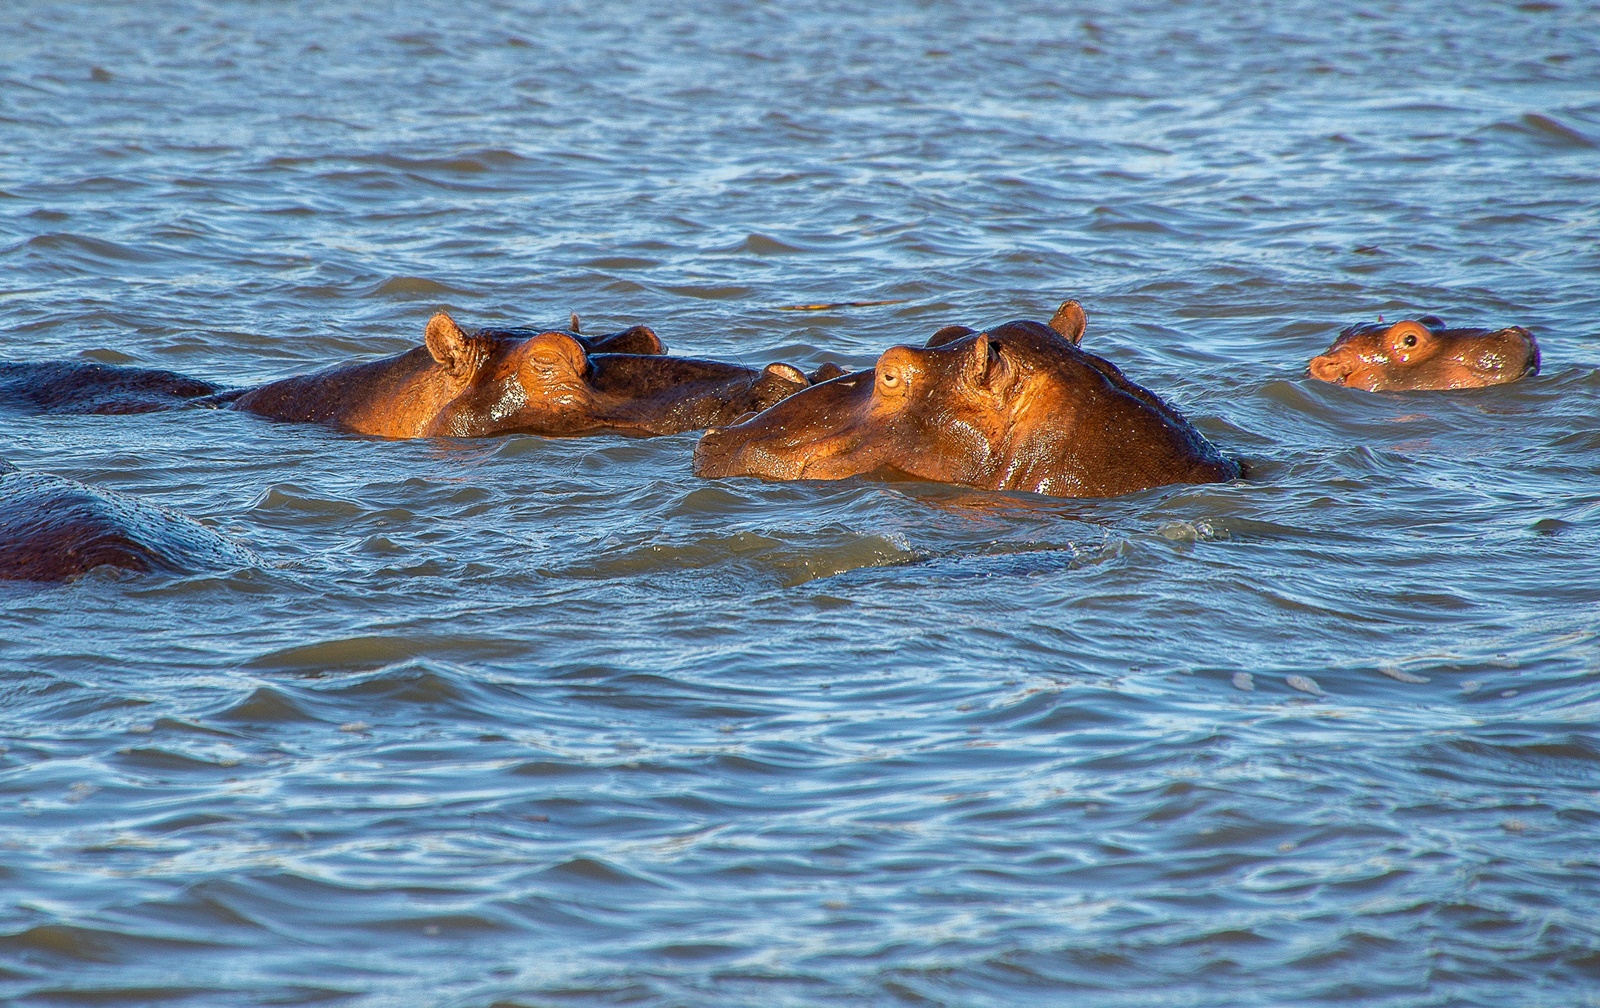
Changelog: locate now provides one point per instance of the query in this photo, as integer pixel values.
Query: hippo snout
(1532, 366)
(713, 454)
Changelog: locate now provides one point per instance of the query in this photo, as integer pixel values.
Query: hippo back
(52, 529)
(60, 387)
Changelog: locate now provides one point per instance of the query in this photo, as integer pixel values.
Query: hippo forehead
(1034, 347)
(1366, 332)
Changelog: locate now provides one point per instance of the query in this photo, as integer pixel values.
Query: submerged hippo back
(81, 387)
(52, 529)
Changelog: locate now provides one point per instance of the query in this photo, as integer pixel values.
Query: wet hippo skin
(517, 381)
(1015, 407)
(82, 387)
(52, 529)
(1420, 354)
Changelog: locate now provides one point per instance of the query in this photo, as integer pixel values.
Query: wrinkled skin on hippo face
(508, 381)
(1017, 407)
(1422, 354)
(52, 529)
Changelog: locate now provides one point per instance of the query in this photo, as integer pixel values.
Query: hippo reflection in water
(1016, 407)
(494, 381)
(52, 529)
(1416, 355)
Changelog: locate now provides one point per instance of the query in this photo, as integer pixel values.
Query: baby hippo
(1411, 356)
(1016, 407)
(520, 381)
(52, 529)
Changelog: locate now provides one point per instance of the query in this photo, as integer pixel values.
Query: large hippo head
(1422, 354)
(1015, 407)
(502, 381)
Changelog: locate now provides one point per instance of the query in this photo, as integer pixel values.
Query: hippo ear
(949, 334)
(1433, 322)
(577, 323)
(787, 372)
(827, 372)
(637, 340)
(1069, 320)
(448, 344)
(988, 366)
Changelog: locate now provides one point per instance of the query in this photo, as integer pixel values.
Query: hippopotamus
(1414, 355)
(1018, 406)
(519, 381)
(52, 529)
(493, 381)
(83, 387)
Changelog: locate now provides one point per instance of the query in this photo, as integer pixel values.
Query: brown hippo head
(1422, 354)
(1016, 407)
(501, 381)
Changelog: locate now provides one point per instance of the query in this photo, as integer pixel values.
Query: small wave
(367, 652)
(703, 292)
(590, 871)
(410, 287)
(791, 563)
(266, 705)
(163, 759)
(96, 945)
(1541, 132)
(762, 245)
(85, 248)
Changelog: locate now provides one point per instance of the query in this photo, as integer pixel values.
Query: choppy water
(528, 722)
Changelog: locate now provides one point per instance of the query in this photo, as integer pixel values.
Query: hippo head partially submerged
(1422, 354)
(1016, 407)
(500, 381)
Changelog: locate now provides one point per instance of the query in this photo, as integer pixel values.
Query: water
(527, 722)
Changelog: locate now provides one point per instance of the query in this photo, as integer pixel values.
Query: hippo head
(550, 383)
(1423, 354)
(1016, 407)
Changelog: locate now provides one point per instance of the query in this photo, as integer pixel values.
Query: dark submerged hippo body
(47, 387)
(1016, 407)
(1415, 355)
(522, 381)
(52, 529)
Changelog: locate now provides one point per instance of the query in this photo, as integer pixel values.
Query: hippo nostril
(1328, 369)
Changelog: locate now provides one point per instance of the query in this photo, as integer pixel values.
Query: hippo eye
(891, 380)
(1409, 340)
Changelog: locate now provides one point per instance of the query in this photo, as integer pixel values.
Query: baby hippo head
(1422, 354)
